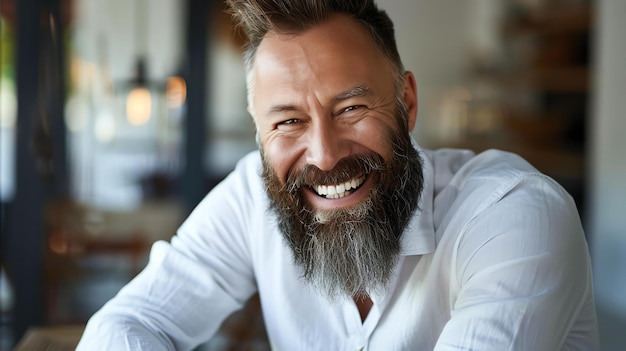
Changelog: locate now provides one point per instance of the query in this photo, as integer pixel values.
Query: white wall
(437, 41)
(607, 155)
(107, 31)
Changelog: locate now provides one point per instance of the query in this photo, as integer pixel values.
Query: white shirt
(496, 259)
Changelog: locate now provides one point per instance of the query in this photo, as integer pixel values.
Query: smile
(337, 191)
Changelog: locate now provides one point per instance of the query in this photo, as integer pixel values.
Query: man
(354, 236)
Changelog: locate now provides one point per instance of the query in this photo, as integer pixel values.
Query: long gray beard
(350, 251)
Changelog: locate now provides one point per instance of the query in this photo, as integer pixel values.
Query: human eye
(352, 112)
(351, 108)
(288, 123)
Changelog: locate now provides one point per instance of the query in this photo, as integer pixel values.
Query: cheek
(376, 137)
(280, 156)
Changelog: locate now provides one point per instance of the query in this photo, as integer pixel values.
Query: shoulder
(503, 175)
(498, 217)
(235, 199)
(491, 165)
(497, 204)
(484, 179)
(249, 166)
(495, 192)
(245, 180)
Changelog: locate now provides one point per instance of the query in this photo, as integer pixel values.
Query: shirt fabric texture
(494, 259)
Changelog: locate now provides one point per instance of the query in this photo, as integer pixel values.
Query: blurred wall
(115, 32)
(432, 40)
(608, 160)
(439, 41)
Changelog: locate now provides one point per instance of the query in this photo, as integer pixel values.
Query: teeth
(337, 191)
(341, 188)
(332, 190)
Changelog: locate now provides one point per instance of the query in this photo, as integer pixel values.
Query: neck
(364, 305)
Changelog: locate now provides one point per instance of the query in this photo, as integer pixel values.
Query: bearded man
(354, 237)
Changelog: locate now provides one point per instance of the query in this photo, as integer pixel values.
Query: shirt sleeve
(189, 285)
(522, 277)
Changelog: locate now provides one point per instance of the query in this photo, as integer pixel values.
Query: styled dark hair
(258, 17)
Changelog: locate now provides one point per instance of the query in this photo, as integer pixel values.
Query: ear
(409, 94)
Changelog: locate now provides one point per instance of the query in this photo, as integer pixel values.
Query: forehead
(336, 54)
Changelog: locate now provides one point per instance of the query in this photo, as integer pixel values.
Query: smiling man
(338, 163)
(353, 236)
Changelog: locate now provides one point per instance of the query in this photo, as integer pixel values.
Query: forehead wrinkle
(305, 77)
(295, 67)
(277, 109)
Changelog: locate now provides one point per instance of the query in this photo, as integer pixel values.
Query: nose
(326, 146)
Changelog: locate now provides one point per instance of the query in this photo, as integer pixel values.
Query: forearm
(106, 331)
(176, 303)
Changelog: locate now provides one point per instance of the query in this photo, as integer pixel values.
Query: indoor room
(117, 117)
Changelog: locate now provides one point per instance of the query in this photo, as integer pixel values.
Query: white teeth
(339, 190)
(332, 190)
(321, 190)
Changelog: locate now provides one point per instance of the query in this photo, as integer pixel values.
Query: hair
(258, 17)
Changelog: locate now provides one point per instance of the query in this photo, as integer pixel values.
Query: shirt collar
(419, 236)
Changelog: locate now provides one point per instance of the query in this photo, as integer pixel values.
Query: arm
(523, 276)
(189, 286)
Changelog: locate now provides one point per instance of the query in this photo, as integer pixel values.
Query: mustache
(346, 169)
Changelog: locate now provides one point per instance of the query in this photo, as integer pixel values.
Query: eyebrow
(281, 108)
(356, 91)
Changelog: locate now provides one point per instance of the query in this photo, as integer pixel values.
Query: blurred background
(117, 116)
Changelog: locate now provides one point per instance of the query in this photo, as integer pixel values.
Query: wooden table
(57, 338)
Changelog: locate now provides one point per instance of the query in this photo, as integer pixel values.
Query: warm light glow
(138, 106)
(59, 242)
(176, 92)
